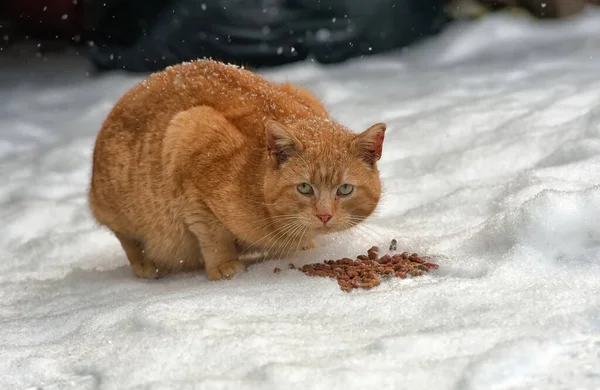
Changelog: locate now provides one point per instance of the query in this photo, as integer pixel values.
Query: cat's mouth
(324, 229)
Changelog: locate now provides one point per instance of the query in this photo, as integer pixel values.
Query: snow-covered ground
(491, 162)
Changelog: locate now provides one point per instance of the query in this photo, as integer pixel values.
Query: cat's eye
(304, 188)
(345, 189)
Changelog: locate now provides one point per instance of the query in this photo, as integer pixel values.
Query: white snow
(491, 163)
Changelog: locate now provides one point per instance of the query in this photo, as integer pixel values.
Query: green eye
(304, 188)
(345, 189)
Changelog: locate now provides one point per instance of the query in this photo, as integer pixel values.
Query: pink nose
(325, 218)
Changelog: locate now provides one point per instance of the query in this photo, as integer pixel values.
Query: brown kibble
(385, 259)
(276, 270)
(416, 272)
(346, 261)
(393, 245)
(291, 266)
(367, 270)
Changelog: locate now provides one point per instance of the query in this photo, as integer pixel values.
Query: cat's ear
(369, 143)
(280, 142)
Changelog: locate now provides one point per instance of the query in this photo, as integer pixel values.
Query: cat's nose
(325, 218)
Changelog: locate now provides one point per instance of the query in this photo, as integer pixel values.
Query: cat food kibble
(366, 271)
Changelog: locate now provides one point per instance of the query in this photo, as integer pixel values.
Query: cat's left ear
(280, 142)
(369, 143)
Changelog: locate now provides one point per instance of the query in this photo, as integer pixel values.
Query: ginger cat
(204, 160)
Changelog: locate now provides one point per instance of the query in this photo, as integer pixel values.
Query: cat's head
(321, 177)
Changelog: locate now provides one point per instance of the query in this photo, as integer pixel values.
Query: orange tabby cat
(203, 159)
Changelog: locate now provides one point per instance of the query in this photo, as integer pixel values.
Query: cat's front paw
(148, 270)
(225, 270)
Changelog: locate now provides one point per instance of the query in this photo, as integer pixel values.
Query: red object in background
(44, 19)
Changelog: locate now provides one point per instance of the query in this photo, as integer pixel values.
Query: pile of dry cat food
(365, 272)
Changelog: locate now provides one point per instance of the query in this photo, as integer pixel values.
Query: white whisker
(289, 239)
(283, 232)
(278, 219)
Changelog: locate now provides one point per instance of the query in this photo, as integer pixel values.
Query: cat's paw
(148, 270)
(225, 270)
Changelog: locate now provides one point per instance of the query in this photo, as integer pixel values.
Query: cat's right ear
(369, 143)
(280, 142)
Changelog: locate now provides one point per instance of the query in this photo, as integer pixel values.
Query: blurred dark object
(59, 20)
(545, 9)
(465, 9)
(141, 36)
(148, 35)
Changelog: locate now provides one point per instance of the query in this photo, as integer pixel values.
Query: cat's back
(243, 97)
(134, 129)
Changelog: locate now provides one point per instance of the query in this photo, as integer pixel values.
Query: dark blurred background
(148, 35)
